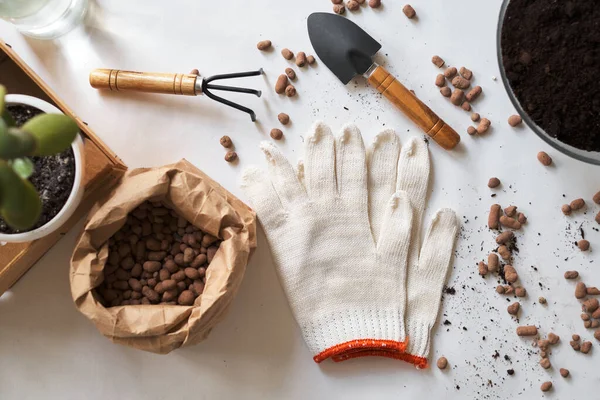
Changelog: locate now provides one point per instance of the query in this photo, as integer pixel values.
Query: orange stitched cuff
(358, 347)
(419, 362)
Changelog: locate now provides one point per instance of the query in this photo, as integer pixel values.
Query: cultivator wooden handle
(414, 108)
(150, 82)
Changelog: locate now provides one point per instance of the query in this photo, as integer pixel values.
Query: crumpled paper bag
(204, 203)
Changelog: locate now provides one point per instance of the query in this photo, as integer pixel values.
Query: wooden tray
(103, 168)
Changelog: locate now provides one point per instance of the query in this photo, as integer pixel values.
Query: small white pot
(77, 191)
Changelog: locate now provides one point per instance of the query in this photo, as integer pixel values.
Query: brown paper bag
(204, 203)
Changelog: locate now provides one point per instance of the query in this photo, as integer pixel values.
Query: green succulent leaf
(15, 143)
(20, 204)
(24, 167)
(53, 133)
(8, 119)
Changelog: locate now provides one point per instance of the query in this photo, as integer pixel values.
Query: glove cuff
(347, 331)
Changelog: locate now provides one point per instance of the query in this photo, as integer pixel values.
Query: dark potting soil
(53, 177)
(551, 54)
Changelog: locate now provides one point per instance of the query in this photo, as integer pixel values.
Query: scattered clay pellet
(514, 120)
(520, 291)
(564, 372)
(460, 83)
(226, 142)
(494, 216)
(436, 60)
(457, 97)
(352, 5)
(583, 244)
(508, 289)
(546, 386)
(475, 117)
(545, 363)
(290, 91)
(590, 305)
(514, 308)
(585, 317)
(504, 252)
(500, 289)
(276, 134)
(553, 338)
(374, 3)
(283, 118)
(596, 314)
(195, 71)
(466, 73)
(505, 237)
(580, 290)
(450, 72)
(301, 59)
(474, 93)
(264, 45)
(471, 130)
(572, 275)
(543, 354)
(290, 73)
(587, 324)
(440, 81)
(231, 156)
(597, 335)
(521, 218)
(596, 198)
(592, 291)
(510, 211)
(566, 209)
(597, 219)
(543, 344)
(483, 126)
(409, 11)
(493, 262)
(446, 91)
(595, 324)
(576, 337)
(586, 347)
(483, 268)
(466, 106)
(575, 345)
(493, 183)
(281, 84)
(287, 53)
(544, 158)
(311, 60)
(527, 330)
(542, 300)
(510, 222)
(510, 274)
(442, 363)
(577, 204)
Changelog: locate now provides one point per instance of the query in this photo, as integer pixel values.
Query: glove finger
(382, 169)
(282, 174)
(320, 162)
(394, 239)
(351, 165)
(263, 197)
(300, 172)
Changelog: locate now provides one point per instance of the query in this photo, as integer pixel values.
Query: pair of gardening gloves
(344, 230)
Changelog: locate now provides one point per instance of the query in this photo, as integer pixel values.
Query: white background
(49, 350)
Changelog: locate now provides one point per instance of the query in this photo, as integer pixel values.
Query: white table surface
(49, 350)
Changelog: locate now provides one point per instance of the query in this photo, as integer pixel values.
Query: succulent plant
(43, 135)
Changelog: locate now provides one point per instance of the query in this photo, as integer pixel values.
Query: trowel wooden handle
(152, 82)
(414, 108)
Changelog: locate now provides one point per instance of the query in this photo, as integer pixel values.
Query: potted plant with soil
(41, 168)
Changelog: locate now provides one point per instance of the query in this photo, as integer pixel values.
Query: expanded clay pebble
(494, 216)
(514, 308)
(290, 73)
(311, 60)
(283, 118)
(596, 198)
(374, 3)
(575, 345)
(520, 291)
(577, 204)
(596, 314)
(409, 11)
(590, 305)
(597, 335)
(510, 274)
(195, 72)
(592, 291)
(564, 372)
(493, 183)
(471, 130)
(466, 106)
(352, 5)
(281, 84)
(446, 91)
(440, 81)
(276, 134)
(572, 275)
(521, 218)
(546, 386)
(290, 91)
(527, 330)
(500, 289)
(545, 363)
(510, 211)
(457, 97)
(483, 268)
(544, 158)
(231, 156)
(483, 126)
(475, 117)
(505, 237)
(576, 337)
(542, 300)
(504, 252)
(583, 244)
(339, 9)
(514, 120)
(580, 290)
(263, 45)
(460, 83)
(493, 262)
(450, 72)
(510, 222)
(474, 93)
(597, 219)
(436, 60)
(301, 59)
(466, 73)
(226, 142)
(586, 347)
(553, 338)
(287, 53)
(566, 209)
(442, 363)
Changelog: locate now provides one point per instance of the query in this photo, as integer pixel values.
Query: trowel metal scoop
(347, 51)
